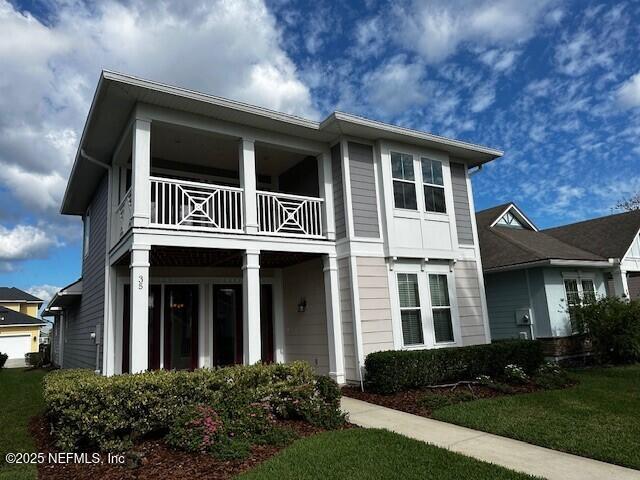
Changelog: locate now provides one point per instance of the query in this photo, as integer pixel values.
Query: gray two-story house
(217, 232)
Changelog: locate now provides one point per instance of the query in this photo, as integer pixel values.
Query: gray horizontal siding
(506, 293)
(363, 191)
(79, 348)
(346, 315)
(338, 191)
(469, 302)
(461, 203)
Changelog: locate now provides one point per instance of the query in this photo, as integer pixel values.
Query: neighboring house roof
(609, 237)
(508, 248)
(15, 295)
(63, 298)
(10, 317)
(117, 94)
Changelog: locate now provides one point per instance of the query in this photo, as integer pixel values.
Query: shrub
(613, 326)
(394, 371)
(3, 359)
(33, 359)
(550, 376)
(515, 374)
(108, 413)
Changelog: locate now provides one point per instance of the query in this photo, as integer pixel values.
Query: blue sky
(555, 84)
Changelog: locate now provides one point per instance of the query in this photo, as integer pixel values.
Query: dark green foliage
(3, 359)
(33, 359)
(613, 326)
(108, 413)
(394, 371)
(550, 376)
(433, 400)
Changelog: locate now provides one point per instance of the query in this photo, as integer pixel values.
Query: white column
(620, 285)
(109, 341)
(326, 192)
(251, 307)
(247, 155)
(334, 322)
(141, 168)
(139, 309)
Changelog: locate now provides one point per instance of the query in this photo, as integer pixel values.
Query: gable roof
(11, 317)
(609, 237)
(509, 248)
(63, 298)
(13, 294)
(117, 94)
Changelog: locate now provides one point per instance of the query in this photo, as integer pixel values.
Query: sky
(555, 84)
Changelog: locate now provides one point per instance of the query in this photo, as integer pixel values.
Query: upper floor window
(404, 188)
(86, 233)
(433, 184)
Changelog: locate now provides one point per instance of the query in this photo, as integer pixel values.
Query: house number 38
(140, 282)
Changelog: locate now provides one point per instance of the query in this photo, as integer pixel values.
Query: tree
(629, 204)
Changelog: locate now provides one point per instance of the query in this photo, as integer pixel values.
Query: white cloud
(483, 98)
(43, 292)
(23, 242)
(499, 60)
(628, 94)
(396, 86)
(436, 29)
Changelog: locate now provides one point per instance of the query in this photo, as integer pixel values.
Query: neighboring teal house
(532, 276)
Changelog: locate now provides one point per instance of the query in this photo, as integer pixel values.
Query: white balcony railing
(289, 215)
(124, 214)
(195, 206)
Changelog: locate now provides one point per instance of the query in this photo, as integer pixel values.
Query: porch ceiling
(211, 257)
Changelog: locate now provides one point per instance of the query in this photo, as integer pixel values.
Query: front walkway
(513, 454)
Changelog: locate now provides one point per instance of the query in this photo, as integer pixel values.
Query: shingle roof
(609, 237)
(11, 317)
(14, 294)
(505, 247)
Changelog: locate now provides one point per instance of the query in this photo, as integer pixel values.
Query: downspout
(107, 275)
(473, 172)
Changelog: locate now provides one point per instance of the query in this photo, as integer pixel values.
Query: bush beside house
(87, 410)
(613, 327)
(3, 359)
(393, 371)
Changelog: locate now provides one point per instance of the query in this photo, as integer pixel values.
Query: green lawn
(21, 396)
(373, 454)
(599, 418)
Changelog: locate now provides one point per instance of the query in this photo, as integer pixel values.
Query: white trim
(554, 263)
(23, 325)
(518, 214)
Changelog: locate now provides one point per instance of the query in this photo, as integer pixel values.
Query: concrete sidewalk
(513, 454)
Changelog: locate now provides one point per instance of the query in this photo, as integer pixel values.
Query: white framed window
(410, 314)
(86, 232)
(441, 308)
(433, 186)
(578, 291)
(425, 310)
(404, 185)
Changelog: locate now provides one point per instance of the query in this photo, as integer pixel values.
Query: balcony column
(326, 192)
(141, 168)
(247, 156)
(139, 307)
(620, 283)
(252, 344)
(334, 322)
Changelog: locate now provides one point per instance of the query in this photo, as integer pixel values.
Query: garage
(15, 345)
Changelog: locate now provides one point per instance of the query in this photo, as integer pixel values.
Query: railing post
(141, 168)
(247, 156)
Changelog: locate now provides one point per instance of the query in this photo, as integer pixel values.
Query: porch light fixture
(302, 305)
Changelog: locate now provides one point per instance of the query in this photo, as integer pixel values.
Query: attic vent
(508, 220)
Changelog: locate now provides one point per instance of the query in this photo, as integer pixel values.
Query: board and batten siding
(507, 292)
(375, 305)
(79, 347)
(363, 191)
(346, 315)
(305, 333)
(338, 191)
(468, 295)
(461, 203)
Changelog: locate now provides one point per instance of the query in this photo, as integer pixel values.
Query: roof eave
(553, 262)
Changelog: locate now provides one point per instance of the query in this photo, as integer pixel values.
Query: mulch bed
(408, 401)
(155, 460)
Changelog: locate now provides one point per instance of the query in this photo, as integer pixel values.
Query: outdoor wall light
(302, 305)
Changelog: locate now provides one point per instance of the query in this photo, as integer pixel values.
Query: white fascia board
(553, 263)
(521, 216)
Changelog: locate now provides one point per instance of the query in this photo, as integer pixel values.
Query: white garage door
(15, 345)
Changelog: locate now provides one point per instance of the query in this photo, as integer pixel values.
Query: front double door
(180, 330)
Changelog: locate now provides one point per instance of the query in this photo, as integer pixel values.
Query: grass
(373, 454)
(21, 399)
(598, 418)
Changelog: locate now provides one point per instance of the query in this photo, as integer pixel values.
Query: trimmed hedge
(87, 410)
(397, 370)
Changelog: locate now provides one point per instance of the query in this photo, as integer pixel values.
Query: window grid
(433, 186)
(404, 188)
(441, 308)
(410, 310)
